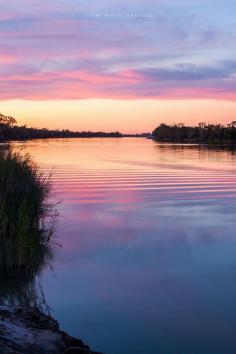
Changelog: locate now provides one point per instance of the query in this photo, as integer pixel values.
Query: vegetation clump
(9, 130)
(203, 133)
(24, 233)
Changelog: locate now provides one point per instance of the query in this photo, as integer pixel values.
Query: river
(147, 255)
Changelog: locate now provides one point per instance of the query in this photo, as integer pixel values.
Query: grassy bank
(24, 234)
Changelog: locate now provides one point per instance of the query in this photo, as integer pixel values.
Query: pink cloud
(20, 82)
(54, 54)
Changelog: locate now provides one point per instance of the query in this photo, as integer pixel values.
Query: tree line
(9, 130)
(203, 133)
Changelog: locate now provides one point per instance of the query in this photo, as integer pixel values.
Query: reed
(26, 220)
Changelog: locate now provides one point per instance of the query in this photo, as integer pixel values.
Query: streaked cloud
(54, 50)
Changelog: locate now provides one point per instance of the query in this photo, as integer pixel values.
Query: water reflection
(23, 291)
(148, 257)
(24, 287)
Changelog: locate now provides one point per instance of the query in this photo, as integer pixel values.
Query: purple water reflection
(148, 257)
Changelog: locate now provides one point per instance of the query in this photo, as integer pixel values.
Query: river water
(147, 234)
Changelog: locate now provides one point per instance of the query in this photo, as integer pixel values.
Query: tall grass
(24, 233)
(24, 290)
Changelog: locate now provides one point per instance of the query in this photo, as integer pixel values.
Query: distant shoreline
(208, 134)
(91, 136)
(10, 131)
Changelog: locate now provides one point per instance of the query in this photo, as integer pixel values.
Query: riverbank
(10, 131)
(28, 331)
(202, 134)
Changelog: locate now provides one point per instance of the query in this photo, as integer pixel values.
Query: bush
(24, 233)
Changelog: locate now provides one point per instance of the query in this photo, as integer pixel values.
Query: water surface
(147, 262)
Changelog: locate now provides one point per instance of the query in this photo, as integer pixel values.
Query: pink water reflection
(148, 244)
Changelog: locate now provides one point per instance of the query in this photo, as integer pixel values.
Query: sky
(123, 65)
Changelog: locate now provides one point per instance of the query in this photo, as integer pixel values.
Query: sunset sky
(117, 65)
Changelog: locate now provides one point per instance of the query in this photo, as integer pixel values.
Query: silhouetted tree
(10, 131)
(7, 120)
(203, 133)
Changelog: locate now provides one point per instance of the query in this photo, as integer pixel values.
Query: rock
(28, 331)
